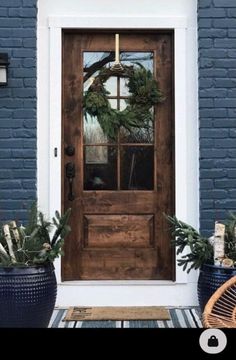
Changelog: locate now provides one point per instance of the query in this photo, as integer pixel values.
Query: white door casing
(183, 291)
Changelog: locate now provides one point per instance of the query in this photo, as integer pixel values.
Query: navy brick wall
(217, 110)
(18, 109)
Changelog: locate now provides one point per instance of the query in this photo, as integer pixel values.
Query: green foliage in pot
(185, 237)
(38, 242)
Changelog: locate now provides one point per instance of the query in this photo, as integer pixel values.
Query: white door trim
(182, 136)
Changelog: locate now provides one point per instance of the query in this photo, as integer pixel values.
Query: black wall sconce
(3, 69)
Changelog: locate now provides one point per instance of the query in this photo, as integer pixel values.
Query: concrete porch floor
(184, 317)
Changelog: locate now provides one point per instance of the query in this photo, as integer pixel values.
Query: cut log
(7, 234)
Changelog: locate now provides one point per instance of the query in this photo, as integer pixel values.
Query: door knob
(70, 150)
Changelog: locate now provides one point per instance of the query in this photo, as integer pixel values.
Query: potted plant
(214, 256)
(28, 286)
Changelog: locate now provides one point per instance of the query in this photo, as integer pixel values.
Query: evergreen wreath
(144, 94)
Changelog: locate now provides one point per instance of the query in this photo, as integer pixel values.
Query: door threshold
(116, 282)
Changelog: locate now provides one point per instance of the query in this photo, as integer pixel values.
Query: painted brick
(224, 43)
(27, 154)
(232, 92)
(213, 153)
(24, 93)
(3, 12)
(226, 204)
(24, 72)
(204, 3)
(213, 93)
(24, 133)
(10, 43)
(24, 53)
(232, 132)
(217, 63)
(232, 193)
(209, 103)
(29, 3)
(205, 83)
(225, 183)
(214, 113)
(214, 194)
(225, 143)
(23, 32)
(212, 33)
(213, 53)
(232, 53)
(212, 13)
(29, 43)
(225, 83)
(11, 22)
(28, 184)
(18, 109)
(212, 73)
(232, 153)
(224, 3)
(232, 33)
(212, 174)
(225, 63)
(29, 62)
(11, 124)
(10, 184)
(206, 184)
(224, 23)
(231, 12)
(232, 113)
(205, 62)
(231, 173)
(5, 154)
(24, 113)
(211, 133)
(226, 103)
(207, 143)
(206, 43)
(22, 12)
(11, 3)
(204, 23)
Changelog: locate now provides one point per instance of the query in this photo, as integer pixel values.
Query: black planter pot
(211, 277)
(27, 296)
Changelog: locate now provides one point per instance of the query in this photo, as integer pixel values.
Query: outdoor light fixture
(3, 68)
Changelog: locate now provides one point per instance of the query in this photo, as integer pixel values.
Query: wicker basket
(211, 277)
(27, 296)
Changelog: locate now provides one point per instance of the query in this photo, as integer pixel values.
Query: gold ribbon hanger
(117, 65)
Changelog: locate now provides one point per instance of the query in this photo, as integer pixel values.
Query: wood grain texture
(119, 234)
(118, 231)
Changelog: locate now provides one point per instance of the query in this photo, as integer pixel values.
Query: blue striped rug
(180, 318)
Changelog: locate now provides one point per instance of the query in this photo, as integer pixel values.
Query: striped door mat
(188, 317)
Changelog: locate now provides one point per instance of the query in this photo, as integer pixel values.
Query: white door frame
(186, 182)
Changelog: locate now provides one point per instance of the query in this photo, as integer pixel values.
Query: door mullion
(118, 138)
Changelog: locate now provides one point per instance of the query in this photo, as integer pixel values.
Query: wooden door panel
(118, 234)
(129, 231)
(120, 202)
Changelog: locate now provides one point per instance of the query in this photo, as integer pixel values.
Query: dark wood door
(122, 187)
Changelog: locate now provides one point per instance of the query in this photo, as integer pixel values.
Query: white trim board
(186, 143)
(115, 22)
